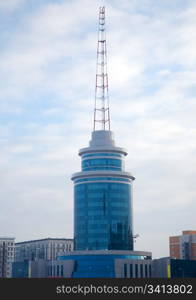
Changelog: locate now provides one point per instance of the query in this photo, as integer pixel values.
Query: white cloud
(10, 5)
(47, 97)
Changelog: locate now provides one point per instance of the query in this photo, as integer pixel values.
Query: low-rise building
(43, 249)
(107, 264)
(89, 264)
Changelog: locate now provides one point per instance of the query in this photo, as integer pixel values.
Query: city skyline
(48, 65)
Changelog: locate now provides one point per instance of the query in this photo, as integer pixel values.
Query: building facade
(107, 264)
(40, 269)
(43, 249)
(6, 256)
(183, 246)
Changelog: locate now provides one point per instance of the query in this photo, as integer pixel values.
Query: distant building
(173, 268)
(6, 256)
(183, 246)
(44, 249)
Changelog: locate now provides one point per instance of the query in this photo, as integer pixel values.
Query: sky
(47, 84)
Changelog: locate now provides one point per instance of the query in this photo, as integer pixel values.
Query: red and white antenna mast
(101, 110)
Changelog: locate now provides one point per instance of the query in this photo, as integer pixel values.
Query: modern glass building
(103, 197)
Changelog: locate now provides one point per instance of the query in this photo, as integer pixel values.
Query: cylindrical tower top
(102, 140)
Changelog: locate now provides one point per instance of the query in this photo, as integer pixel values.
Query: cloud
(10, 5)
(47, 96)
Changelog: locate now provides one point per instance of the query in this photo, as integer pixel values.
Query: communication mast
(101, 110)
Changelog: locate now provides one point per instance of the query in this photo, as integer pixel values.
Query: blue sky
(47, 78)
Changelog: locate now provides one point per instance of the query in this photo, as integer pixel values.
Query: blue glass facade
(20, 269)
(103, 216)
(96, 266)
(103, 202)
(101, 164)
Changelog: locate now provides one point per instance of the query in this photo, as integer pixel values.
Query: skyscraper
(102, 190)
(103, 217)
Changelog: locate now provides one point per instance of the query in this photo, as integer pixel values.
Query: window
(101, 178)
(102, 154)
(136, 270)
(101, 163)
(131, 270)
(150, 271)
(62, 271)
(141, 271)
(146, 271)
(125, 270)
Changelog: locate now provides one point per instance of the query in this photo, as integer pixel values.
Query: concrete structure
(40, 269)
(59, 268)
(161, 268)
(183, 246)
(6, 256)
(45, 249)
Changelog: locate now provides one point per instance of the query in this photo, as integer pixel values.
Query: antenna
(135, 237)
(101, 110)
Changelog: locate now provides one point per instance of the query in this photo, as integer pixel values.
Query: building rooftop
(6, 238)
(189, 232)
(46, 239)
